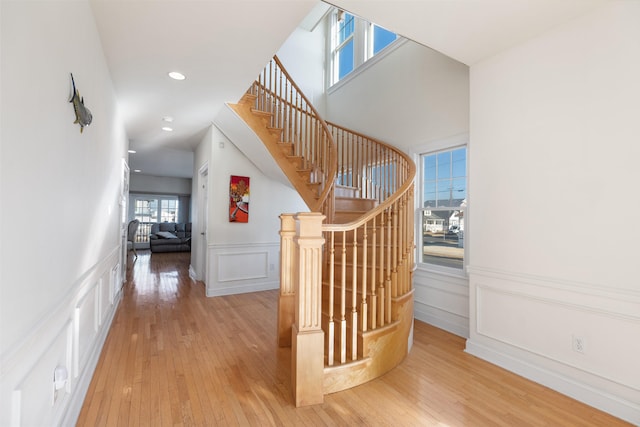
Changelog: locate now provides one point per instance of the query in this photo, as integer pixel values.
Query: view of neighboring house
(544, 118)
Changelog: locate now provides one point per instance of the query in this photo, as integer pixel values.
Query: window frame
(449, 144)
(363, 46)
(159, 199)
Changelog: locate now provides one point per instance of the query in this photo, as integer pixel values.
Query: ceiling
(222, 45)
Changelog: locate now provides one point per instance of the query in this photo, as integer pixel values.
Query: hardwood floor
(175, 357)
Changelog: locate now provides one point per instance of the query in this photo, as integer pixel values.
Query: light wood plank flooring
(174, 357)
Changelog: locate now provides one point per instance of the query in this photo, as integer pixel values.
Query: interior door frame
(203, 220)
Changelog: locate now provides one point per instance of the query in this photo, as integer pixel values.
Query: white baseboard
(192, 273)
(460, 329)
(614, 405)
(233, 290)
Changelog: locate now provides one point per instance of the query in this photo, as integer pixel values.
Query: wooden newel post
(307, 352)
(286, 310)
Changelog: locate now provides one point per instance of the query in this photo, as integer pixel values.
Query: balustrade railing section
(369, 261)
(297, 123)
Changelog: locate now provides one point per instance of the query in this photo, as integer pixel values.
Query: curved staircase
(346, 296)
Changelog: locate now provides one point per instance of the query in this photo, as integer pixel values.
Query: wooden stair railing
(369, 260)
(346, 297)
(294, 133)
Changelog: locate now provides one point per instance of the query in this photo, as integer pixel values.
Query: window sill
(444, 271)
(367, 64)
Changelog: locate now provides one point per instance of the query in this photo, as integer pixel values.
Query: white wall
(242, 257)
(554, 166)
(412, 96)
(61, 238)
(302, 54)
(141, 183)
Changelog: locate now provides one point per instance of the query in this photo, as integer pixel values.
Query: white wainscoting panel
(241, 268)
(86, 326)
(36, 387)
(442, 300)
(104, 297)
(529, 325)
(70, 336)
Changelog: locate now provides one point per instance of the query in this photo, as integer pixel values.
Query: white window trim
(456, 141)
(159, 198)
(362, 59)
(359, 69)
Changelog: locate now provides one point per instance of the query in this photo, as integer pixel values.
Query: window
(169, 210)
(145, 210)
(443, 206)
(381, 38)
(353, 42)
(149, 209)
(161, 209)
(344, 55)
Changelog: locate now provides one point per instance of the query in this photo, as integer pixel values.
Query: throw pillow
(166, 235)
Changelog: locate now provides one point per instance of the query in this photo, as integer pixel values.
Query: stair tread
(356, 198)
(261, 112)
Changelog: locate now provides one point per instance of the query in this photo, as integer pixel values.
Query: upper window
(443, 206)
(354, 41)
(381, 38)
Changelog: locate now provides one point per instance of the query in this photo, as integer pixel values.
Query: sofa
(170, 237)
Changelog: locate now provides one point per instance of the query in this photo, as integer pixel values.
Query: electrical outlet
(578, 344)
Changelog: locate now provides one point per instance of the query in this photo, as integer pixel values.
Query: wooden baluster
(343, 297)
(400, 249)
(331, 334)
(394, 251)
(351, 159)
(290, 136)
(343, 160)
(402, 280)
(387, 283)
(365, 267)
(353, 320)
(280, 121)
(381, 292)
(309, 124)
(297, 115)
(370, 162)
(374, 307)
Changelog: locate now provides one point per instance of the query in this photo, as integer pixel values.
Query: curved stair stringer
(269, 136)
(383, 349)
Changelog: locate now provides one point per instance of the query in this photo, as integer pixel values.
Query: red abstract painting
(239, 199)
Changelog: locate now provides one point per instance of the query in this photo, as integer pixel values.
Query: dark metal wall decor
(83, 115)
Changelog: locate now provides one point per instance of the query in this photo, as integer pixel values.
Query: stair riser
(354, 204)
(343, 191)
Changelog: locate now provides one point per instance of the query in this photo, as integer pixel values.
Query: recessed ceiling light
(137, 170)
(167, 119)
(167, 129)
(176, 75)
(132, 151)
